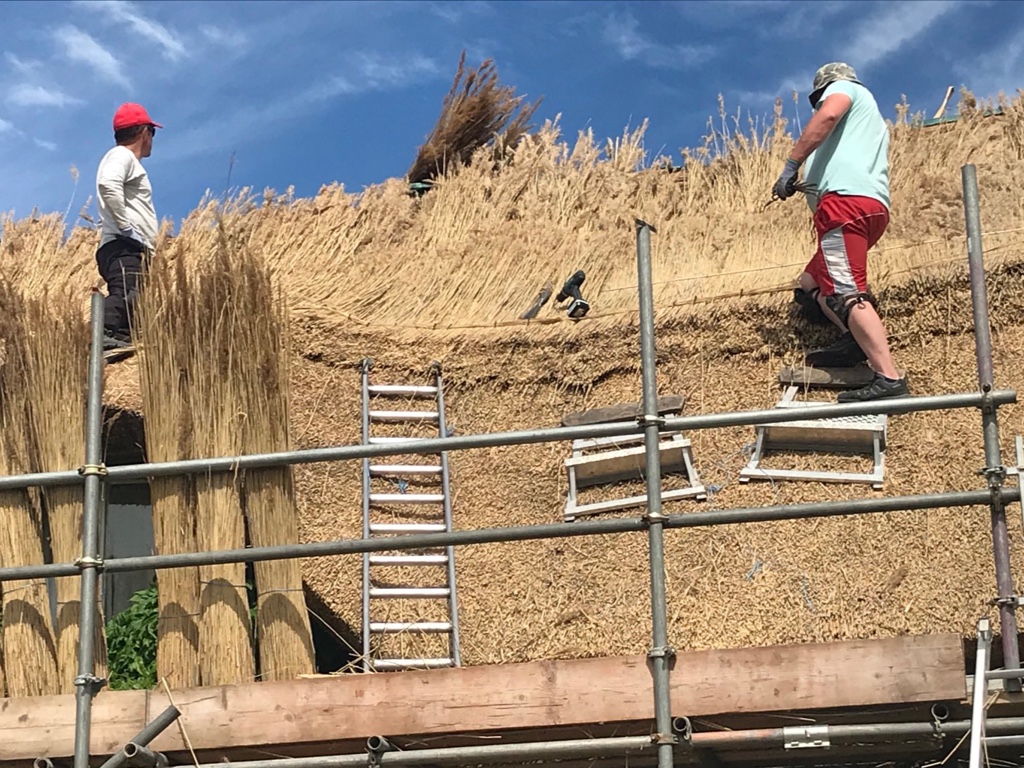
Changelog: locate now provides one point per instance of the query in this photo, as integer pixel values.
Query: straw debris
(478, 111)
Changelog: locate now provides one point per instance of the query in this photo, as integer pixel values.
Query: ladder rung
(402, 389)
(406, 498)
(408, 559)
(431, 627)
(395, 664)
(405, 469)
(407, 528)
(392, 416)
(390, 440)
(399, 593)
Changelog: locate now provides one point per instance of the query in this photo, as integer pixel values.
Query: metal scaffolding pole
(707, 518)
(141, 472)
(143, 738)
(994, 469)
(753, 739)
(452, 756)
(660, 653)
(86, 683)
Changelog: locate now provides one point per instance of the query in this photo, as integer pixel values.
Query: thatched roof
(445, 276)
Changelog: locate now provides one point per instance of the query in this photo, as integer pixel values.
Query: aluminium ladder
(437, 565)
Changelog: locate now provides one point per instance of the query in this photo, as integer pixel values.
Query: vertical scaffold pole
(994, 469)
(661, 653)
(86, 682)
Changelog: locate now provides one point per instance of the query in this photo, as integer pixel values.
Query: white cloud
(231, 38)
(127, 13)
(998, 69)
(25, 95)
(456, 12)
(81, 47)
(49, 146)
(884, 33)
(6, 126)
(20, 65)
(624, 35)
(363, 73)
(377, 73)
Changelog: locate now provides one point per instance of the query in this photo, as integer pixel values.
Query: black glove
(786, 185)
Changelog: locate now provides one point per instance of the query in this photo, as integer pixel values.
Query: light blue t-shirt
(854, 159)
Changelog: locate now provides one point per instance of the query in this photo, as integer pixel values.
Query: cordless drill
(579, 307)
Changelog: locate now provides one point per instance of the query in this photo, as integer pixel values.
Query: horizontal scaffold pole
(711, 517)
(132, 473)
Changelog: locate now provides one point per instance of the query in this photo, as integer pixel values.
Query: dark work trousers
(121, 263)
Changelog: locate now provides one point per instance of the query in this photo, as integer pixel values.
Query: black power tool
(579, 307)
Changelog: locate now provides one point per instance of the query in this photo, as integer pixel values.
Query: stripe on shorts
(833, 248)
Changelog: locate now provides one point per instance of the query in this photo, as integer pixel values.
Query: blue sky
(306, 93)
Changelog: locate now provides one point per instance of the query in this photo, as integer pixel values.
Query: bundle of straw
(3, 680)
(30, 653)
(216, 366)
(282, 622)
(476, 111)
(57, 366)
(162, 313)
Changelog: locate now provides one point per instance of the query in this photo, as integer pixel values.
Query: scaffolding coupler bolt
(996, 475)
(646, 420)
(93, 469)
(661, 652)
(89, 562)
(1014, 601)
(90, 683)
(664, 738)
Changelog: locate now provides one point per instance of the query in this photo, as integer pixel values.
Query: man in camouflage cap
(846, 148)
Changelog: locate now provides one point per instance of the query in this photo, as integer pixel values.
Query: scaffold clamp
(89, 562)
(1014, 601)
(90, 682)
(647, 419)
(661, 652)
(664, 738)
(93, 469)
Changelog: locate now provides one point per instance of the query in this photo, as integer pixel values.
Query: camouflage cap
(828, 74)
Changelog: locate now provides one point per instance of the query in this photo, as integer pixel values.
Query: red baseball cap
(129, 115)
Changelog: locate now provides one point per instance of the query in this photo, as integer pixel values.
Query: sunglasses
(151, 129)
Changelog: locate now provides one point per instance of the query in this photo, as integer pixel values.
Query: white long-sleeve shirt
(125, 197)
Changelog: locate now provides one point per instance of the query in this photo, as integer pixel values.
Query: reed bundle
(478, 110)
(282, 622)
(30, 655)
(216, 368)
(57, 367)
(162, 361)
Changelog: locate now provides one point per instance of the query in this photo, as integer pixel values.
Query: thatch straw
(28, 638)
(399, 278)
(282, 622)
(476, 112)
(215, 396)
(161, 318)
(57, 371)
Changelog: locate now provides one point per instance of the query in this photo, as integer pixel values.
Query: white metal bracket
(859, 435)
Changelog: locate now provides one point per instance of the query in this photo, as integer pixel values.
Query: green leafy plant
(131, 643)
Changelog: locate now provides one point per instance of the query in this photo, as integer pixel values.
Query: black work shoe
(844, 352)
(115, 341)
(878, 389)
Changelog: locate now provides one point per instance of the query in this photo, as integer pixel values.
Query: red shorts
(847, 227)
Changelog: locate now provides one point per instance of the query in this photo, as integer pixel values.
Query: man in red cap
(128, 223)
